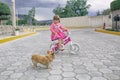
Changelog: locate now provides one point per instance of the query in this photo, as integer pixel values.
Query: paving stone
(16, 75)
(105, 70)
(79, 67)
(84, 59)
(100, 66)
(116, 72)
(41, 79)
(41, 75)
(2, 69)
(95, 74)
(114, 68)
(98, 63)
(67, 69)
(56, 67)
(7, 73)
(109, 64)
(68, 74)
(30, 72)
(21, 70)
(55, 72)
(3, 77)
(55, 77)
(67, 65)
(77, 63)
(12, 68)
(106, 61)
(80, 71)
(83, 77)
(90, 68)
(111, 76)
(24, 77)
(117, 63)
(77, 59)
(12, 79)
(69, 79)
(17, 64)
(99, 78)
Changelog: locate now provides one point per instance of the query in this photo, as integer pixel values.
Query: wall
(87, 21)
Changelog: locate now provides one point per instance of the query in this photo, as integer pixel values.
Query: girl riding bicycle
(57, 31)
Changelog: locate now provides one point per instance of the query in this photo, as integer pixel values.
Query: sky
(44, 8)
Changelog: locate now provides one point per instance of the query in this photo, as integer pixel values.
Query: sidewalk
(7, 38)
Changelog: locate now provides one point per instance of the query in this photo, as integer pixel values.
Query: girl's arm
(52, 29)
(63, 28)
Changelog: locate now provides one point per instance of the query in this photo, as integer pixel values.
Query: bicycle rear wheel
(55, 48)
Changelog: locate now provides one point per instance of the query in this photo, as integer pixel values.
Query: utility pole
(13, 14)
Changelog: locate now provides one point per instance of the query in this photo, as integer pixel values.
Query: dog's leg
(34, 64)
(50, 65)
(47, 65)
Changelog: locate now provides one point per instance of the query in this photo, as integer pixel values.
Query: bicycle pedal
(61, 49)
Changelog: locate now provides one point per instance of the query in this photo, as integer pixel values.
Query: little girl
(57, 31)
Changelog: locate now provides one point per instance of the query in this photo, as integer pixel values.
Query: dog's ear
(52, 52)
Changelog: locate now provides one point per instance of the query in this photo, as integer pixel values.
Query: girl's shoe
(62, 47)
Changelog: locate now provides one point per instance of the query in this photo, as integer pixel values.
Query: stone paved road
(98, 59)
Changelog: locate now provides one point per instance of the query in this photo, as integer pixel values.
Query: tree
(115, 5)
(9, 22)
(98, 13)
(4, 11)
(59, 11)
(31, 15)
(106, 12)
(73, 8)
(69, 10)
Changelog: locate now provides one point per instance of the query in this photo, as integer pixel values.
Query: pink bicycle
(72, 47)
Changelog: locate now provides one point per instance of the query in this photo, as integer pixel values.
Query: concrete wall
(75, 21)
(87, 21)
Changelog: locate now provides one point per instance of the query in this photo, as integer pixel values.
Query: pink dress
(59, 29)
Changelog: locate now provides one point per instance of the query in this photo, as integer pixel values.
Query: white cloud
(99, 4)
(44, 13)
(39, 17)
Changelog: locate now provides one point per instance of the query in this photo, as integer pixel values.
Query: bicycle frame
(65, 41)
(73, 47)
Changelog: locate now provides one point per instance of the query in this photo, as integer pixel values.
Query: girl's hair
(56, 17)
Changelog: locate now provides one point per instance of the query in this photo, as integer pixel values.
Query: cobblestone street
(98, 58)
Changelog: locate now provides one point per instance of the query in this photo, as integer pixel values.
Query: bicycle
(73, 47)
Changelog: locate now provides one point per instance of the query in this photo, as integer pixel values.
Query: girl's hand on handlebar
(55, 33)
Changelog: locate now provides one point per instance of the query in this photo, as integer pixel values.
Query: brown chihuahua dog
(45, 60)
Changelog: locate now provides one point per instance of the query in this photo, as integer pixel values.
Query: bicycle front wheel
(75, 47)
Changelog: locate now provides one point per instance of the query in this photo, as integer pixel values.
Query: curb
(108, 32)
(15, 37)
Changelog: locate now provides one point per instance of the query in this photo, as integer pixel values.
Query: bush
(17, 29)
(110, 29)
